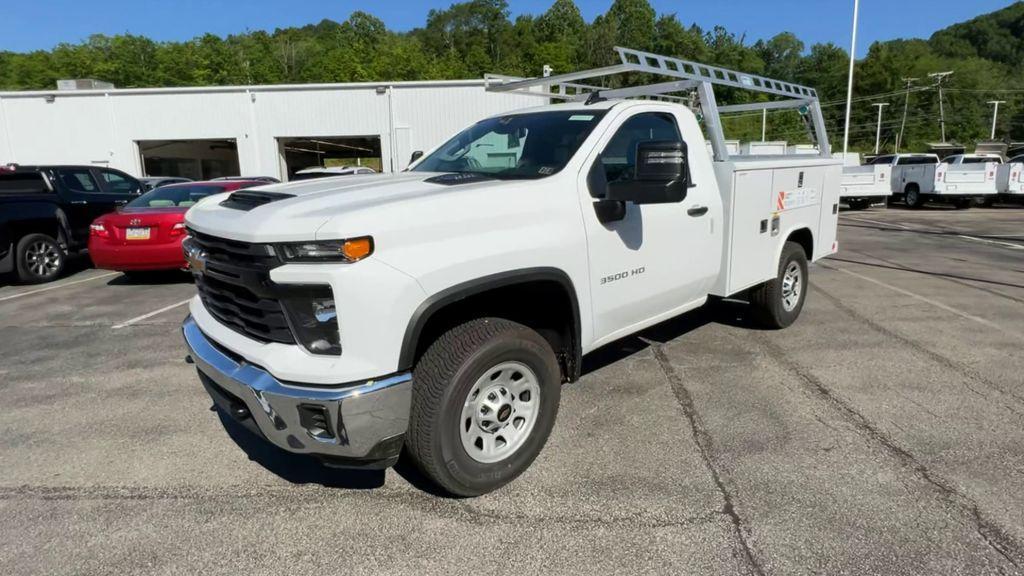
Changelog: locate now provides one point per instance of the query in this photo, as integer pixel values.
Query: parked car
(45, 212)
(146, 233)
(322, 172)
(439, 310)
(150, 182)
(260, 179)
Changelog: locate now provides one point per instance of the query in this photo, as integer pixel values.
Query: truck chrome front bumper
(360, 424)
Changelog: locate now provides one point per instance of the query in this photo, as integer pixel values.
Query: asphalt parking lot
(882, 434)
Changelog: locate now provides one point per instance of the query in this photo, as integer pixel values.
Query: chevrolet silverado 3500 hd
(439, 310)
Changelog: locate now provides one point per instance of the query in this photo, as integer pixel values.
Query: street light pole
(849, 84)
(878, 133)
(995, 116)
(940, 77)
(906, 106)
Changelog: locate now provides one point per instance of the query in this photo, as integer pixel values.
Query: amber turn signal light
(357, 248)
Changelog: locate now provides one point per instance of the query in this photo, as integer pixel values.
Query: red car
(146, 233)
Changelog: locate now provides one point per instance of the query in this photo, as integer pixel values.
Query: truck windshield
(518, 146)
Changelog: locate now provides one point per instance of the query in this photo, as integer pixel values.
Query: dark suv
(45, 213)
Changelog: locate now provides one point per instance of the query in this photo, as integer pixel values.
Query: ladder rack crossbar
(649, 63)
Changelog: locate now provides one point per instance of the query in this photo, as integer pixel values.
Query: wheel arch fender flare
(455, 293)
(798, 230)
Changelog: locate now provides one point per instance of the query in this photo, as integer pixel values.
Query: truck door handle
(697, 211)
(79, 202)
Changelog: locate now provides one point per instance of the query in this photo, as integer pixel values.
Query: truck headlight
(351, 250)
(314, 321)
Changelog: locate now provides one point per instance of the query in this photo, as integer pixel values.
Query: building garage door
(195, 159)
(318, 151)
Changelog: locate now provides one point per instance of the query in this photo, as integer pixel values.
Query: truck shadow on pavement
(297, 468)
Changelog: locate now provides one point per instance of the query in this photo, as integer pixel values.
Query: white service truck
(438, 311)
(957, 180)
(864, 185)
(1010, 180)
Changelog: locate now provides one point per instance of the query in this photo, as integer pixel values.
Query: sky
(42, 24)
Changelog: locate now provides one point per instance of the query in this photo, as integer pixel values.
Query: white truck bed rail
(685, 77)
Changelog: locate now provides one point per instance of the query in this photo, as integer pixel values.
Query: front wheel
(777, 303)
(39, 259)
(485, 398)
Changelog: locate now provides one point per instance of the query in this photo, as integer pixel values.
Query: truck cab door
(88, 195)
(651, 261)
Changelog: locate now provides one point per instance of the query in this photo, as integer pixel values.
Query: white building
(249, 130)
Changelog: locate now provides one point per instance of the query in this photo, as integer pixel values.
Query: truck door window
(117, 183)
(79, 180)
(619, 156)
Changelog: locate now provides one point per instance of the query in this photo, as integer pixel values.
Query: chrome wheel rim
(500, 412)
(792, 286)
(42, 259)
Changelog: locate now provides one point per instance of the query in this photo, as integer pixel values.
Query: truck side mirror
(416, 156)
(661, 176)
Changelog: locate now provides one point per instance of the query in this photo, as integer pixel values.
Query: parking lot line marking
(877, 222)
(927, 300)
(996, 242)
(56, 286)
(137, 319)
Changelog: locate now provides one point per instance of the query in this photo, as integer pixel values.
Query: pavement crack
(994, 536)
(702, 438)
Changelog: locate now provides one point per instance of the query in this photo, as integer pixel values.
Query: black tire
(767, 306)
(984, 201)
(859, 204)
(443, 379)
(912, 197)
(39, 258)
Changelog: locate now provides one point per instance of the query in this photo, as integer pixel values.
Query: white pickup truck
(1010, 180)
(864, 185)
(959, 179)
(438, 311)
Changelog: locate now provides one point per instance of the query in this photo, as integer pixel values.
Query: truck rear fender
(542, 298)
(802, 236)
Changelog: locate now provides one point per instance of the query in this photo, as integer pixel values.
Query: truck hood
(310, 204)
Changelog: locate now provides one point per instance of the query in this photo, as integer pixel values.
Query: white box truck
(438, 311)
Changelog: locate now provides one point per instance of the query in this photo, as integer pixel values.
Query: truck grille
(236, 289)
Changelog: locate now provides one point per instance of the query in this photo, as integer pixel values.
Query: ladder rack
(687, 77)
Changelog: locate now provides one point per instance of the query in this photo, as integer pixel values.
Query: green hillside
(471, 38)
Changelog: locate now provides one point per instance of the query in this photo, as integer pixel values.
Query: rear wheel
(485, 399)
(859, 204)
(912, 197)
(39, 259)
(777, 303)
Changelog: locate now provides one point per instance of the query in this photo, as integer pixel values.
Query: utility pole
(940, 78)
(849, 84)
(906, 106)
(995, 115)
(878, 133)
